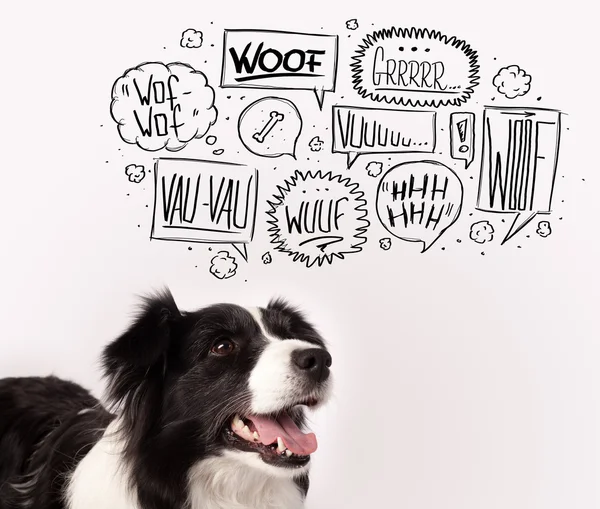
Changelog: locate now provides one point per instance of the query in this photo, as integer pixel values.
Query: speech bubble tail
(242, 249)
(517, 225)
(468, 163)
(320, 94)
(352, 157)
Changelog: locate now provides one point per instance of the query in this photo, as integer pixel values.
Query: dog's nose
(314, 362)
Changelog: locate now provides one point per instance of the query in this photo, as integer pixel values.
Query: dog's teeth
(246, 431)
(280, 445)
(256, 436)
(237, 423)
(288, 453)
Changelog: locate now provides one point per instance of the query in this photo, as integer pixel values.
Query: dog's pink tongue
(294, 439)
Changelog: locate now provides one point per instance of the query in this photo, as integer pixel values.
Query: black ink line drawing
(418, 201)
(218, 152)
(385, 243)
(160, 106)
(317, 217)
(280, 60)
(481, 232)
(359, 131)
(223, 265)
(462, 137)
(266, 258)
(135, 172)
(205, 202)
(270, 127)
(415, 67)
(316, 144)
(191, 38)
(374, 169)
(544, 229)
(352, 24)
(512, 82)
(519, 162)
(211, 140)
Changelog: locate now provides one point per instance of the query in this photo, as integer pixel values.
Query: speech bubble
(415, 67)
(462, 137)
(280, 60)
(270, 127)
(418, 201)
(160, 106)
(359, 131)
(519, 162)
(316, 218)
(205, 202)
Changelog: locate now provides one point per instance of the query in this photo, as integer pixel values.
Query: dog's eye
(223, 347)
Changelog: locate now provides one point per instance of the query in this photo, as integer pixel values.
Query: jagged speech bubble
(318, 217)
(419, 201)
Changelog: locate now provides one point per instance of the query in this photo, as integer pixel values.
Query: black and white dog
(208, 414)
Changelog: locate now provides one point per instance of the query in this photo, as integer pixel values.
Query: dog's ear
(142, 349)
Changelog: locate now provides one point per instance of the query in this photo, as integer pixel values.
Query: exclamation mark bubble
(462, 137)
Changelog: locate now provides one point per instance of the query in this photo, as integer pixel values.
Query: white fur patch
(227, 482)
(101, 480)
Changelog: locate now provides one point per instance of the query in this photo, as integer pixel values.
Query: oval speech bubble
(419, 201)
(415, 67)
(270, 127)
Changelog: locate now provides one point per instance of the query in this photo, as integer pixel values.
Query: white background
(462, 380)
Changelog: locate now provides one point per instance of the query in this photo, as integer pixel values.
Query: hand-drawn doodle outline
(223, 265)
(250, 213)
(135, 173)
(374, 169)
(278, 238)
(120, 92)
(482, 232)
(544, 229)
(385, 243)
(382, 187)
(352, 24)
(191, 38)
(462, 137)
(316, 144)
(386, 121)
(263, 82)
(274, 117)
(415, 34)
(521, 147)
(512, 82)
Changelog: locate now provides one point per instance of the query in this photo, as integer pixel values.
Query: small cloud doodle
(512, 82)
(316, 144)
(374, 168)
(223, 266)
(482, 232)
(266, 258)
(352, 24)
(544, 229)
(385, 243)
(135, 173)
(191, 38)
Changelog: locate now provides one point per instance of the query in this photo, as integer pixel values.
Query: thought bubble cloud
(223, 266)
(316, 144)
(160, 106)
(352, 24)
(270, 127)
(204, 201)
(519, 162)
(191, 38)
(316, 218)
(512, 82)
(415, 67)
(419, 201)
(359, 131)
(374, 168)
(481, 232)
(266, 258)
(280, 60)
(462, 137)
(135, 173)
(544, 229)
(385, 243)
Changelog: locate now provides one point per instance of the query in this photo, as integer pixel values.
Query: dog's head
(233, 380)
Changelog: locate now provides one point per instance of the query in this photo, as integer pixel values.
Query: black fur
(174, 399)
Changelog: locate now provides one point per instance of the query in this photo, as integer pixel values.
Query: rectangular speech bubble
(462, 137)
(204, 201)
(280, 60)
(359, 131)
(519, 162)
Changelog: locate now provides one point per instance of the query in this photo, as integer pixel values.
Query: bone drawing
(274, 118)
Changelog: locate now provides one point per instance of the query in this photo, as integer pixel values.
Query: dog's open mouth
(276, 438)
